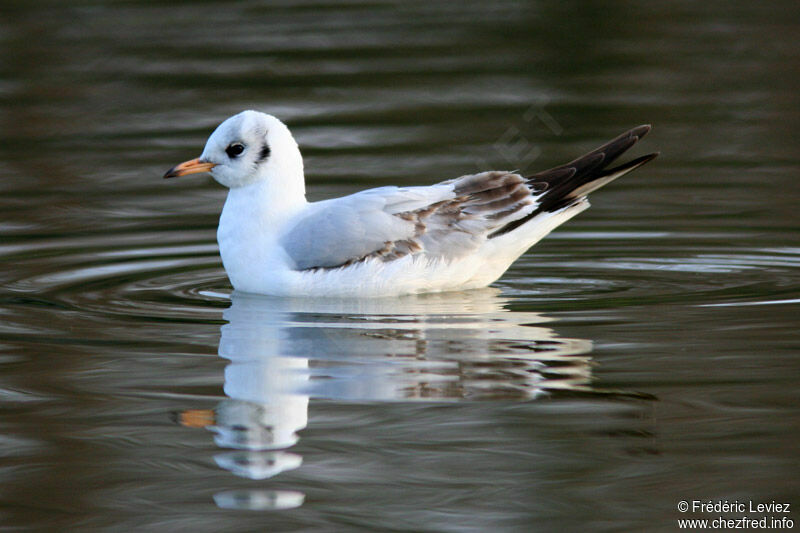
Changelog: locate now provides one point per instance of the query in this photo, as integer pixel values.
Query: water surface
(645, 353)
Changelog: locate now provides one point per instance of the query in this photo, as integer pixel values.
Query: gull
(458, 234)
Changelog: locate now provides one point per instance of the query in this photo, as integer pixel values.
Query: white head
(248, 148)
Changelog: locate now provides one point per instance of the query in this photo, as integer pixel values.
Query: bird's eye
(234, 149)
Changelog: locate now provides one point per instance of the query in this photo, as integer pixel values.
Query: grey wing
(452, 218)
(344, 230)
(445, 220)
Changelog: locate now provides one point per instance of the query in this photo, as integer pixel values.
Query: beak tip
(189, 167)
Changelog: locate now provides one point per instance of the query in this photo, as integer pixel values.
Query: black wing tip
(649, 157)
(630, 165)
(640, 131)
(562, 182)
(646, 158)
(621, 144)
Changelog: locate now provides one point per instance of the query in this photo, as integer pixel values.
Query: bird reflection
(442, 347)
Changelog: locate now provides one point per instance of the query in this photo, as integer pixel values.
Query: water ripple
(710, 277)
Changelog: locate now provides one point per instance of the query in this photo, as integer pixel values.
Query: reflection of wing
(449, 219)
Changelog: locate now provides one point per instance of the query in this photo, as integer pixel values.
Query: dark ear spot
(265, 151)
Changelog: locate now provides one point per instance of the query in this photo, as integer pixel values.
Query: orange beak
(189, 167)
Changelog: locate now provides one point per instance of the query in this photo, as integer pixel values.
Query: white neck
(265, 204)
(251, 223)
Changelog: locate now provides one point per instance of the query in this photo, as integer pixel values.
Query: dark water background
(645, 353)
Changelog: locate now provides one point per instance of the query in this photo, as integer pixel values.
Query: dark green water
(644, 354)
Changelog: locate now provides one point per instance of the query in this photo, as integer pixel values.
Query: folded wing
(450, 219)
